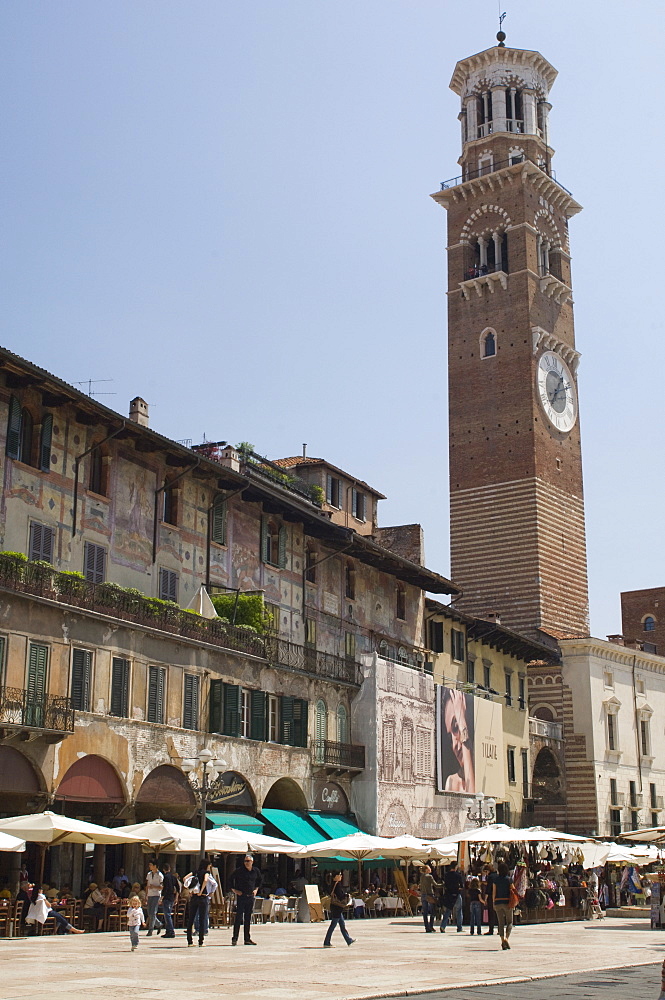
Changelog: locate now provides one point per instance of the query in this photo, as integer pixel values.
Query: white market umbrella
(9, 843)
(172, 838)
(158, 835)
(49, 829)
(499, 833)
(531, 834)
(228, 840)
(361, 847)
(595, 855)
(201, 603)
(654, 835)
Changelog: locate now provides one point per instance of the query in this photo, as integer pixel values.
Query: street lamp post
(203, 772)
(485, 809)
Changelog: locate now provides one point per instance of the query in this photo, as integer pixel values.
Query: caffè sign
(331, 797)
(232, 790)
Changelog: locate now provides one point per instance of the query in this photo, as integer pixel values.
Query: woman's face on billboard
(455, 722)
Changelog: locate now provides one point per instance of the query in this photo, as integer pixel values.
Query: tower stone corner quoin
(518, 547)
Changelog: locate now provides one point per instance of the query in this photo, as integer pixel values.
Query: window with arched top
(488, 344)
(649, 624)
(342, 724)
(514, 110)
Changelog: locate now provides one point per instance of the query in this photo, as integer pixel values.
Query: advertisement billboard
(469, 743)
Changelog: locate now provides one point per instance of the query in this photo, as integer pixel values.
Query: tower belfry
(517, 512)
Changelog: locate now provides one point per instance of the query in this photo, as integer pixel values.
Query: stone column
(529, 112)
(99, 864)
(471, 105)
(498, 261)
(499, 109)
(482, 243)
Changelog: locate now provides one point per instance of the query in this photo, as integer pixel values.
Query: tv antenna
(94, 381)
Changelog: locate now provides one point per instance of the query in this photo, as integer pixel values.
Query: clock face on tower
(556, 391)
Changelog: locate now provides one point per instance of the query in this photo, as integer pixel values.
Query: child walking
(135, 919)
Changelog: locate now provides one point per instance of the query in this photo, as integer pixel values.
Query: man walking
(453, 884)
(170, 892)
(245, 882)
(153, 889)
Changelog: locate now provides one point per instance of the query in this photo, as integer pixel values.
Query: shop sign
(232, 790)
(331, 797)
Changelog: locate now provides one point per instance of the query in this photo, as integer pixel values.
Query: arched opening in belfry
(547, 782)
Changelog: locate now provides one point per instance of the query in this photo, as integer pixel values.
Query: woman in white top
(40, 910)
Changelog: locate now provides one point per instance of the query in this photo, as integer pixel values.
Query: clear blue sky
(223, 207)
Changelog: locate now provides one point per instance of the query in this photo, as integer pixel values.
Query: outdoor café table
(274, 908)
(388, 903)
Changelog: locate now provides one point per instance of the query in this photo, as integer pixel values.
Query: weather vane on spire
(501, 35)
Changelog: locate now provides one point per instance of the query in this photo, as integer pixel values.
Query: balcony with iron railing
(28, 715)
(338, 757)
(487, 168)
(309, 660)
(545, 730)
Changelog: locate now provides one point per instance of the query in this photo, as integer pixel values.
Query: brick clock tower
(518, 545)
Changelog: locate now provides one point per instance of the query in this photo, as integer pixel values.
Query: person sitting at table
(136, 890)
(40, 910)
(94, 905)
(121, 884)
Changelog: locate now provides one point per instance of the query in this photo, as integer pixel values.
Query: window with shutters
(470, 671)
(273, 543)
(524, 754)
(216, 707)
(41, 542)
(13, 445)
(3, 650)
(349, 581)
(388, 749)
(310, 632)
(168, 585)
(36, 684)
(521, 681)
(156, 694)
(272, 616)
(311, 560)
(342, 724)
(245, 713)
(436, 637)
(94, 562)
(273, 718)
(190, 708)
(45, 438)
(407, 751)
(218, 521)
(170, 505)
(231, 718)
(487, 674)
(321, 721)
(400, 603)
(350, 645)
(293, 721)
(509, 688)
(257, 711)
(512, 778)
(423, 767)
(334, 491)
(358, 505)
(120, 688)
(457, 642)
(81, 679)
(97, 475)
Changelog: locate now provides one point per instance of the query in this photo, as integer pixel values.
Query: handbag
(513, 899)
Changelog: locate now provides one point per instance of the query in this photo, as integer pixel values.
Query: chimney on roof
(138, 411)
(304, 449)
(617, 639)
(491, 616)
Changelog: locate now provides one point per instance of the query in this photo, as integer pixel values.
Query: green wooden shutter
(265, 540)
(81, 670)
(94, 562)
(299, 729)
(13, 446)
(2, 658)
(119, 687)
(231, 710)
(329, 495)
(41, 542)
(168, 585)
(282, 548)
(219, 521)
(257, 715)
(286, 720)
(36, 686)
(190, 714)
(45, 443)
(215, 720)
(155, 694)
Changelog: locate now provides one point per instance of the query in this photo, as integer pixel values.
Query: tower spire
(501, 35)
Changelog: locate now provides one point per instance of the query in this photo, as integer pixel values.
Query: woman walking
(501, 888)
(339, 898)
(427, 888)
(201, 886)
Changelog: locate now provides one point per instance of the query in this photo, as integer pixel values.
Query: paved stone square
(390, 957)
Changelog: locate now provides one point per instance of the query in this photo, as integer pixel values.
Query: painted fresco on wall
(469, 743)
(134, 512)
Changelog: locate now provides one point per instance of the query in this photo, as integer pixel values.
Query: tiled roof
(293, 463)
